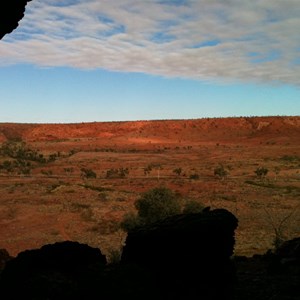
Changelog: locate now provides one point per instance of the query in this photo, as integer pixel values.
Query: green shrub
(157, 204)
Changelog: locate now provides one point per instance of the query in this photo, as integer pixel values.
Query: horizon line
(151, 120)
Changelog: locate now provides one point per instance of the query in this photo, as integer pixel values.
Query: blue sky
(91, 60)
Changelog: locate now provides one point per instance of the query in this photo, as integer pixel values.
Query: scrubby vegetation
(117, 173)
(88, 173)
(18, 158)
(261, 172)
(157, 204)
(220, 171)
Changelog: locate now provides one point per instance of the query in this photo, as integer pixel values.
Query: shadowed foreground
(181, 257)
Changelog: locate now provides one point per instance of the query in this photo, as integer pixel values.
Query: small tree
(147, 170)
(220, 172)
(261, 172)
(280, 225)
(194, 176)
(177, 171)
(157, 204)
(88, 173)
(68, 171)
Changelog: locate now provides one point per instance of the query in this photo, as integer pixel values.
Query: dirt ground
(55, 203)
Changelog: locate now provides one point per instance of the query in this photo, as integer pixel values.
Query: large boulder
(11, 12)
(190, 255)
(64, 270)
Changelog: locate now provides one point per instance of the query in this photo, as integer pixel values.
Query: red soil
(41, 208)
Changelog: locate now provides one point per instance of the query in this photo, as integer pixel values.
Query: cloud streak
(228, 40)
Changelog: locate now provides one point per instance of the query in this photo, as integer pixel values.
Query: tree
(177, 171)
(261, 172)
(157, 204)
(88, 173)
(147, 170)
(68, 171)
(279, 225)
(194, 176)
(220, 172)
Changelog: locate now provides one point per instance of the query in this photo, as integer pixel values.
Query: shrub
(177, 171)
(157, 204)
(105, 227)
(117, 173)
(19, 151)
(261, 172)
(88, 173)
(114, 256)
(130, 221)
(220, 172)
(194, 176)
(147, 170)
(192, 207)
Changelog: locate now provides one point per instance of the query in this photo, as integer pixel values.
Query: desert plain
(83, 178)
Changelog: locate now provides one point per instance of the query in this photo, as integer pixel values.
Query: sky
(75, 61)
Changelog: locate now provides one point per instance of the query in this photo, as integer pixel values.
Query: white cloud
(225, 40)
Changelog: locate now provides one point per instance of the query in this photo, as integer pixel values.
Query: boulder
(190, 255)
(64, 270)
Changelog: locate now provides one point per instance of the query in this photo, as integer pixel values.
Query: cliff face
(170, 131)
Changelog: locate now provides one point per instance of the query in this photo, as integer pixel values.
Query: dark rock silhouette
(4, 258)
(274, 275)
(11, 12)
(287, 257)
(182, 257)
(64, 270)
(190, 255)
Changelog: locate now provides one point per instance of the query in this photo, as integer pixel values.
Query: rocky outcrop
(190, 255)
(182, 257)
(64, 270)
(11, 12)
